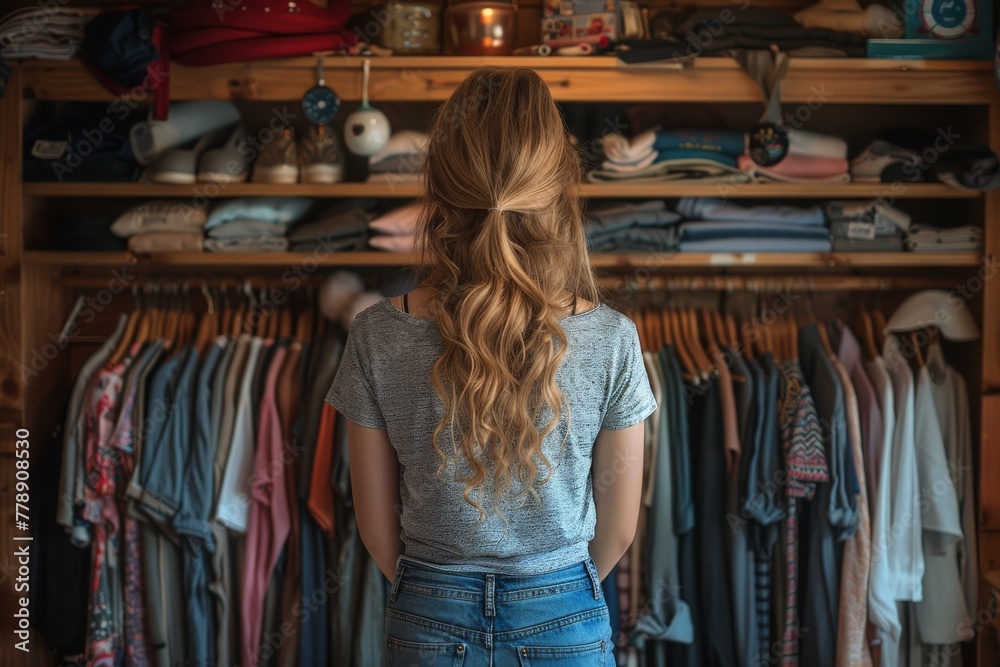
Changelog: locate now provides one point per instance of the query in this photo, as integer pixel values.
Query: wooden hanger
(680, 343)
(708, 326)
(668, 338)
(130, 330)
(878, 320)
(867, 333)
(285, 322)
(705, 365)
(824, 338)
(721, 334)
(205, 324)
(273, 319)
(732, 332)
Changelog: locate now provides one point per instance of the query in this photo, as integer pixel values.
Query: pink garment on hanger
(270, 516)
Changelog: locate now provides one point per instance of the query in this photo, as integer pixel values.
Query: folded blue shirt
(756, 245)
(276, 210)
(728, 142)
(694, 231)
(710, 208)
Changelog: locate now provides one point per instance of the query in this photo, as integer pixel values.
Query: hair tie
(496, 208)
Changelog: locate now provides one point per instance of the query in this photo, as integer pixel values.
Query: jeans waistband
(491, 586)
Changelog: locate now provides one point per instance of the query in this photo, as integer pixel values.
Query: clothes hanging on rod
(206, 489)
(782, 516)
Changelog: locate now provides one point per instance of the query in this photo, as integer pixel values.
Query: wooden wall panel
(11, 395)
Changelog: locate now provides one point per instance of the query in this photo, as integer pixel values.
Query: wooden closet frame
(34, 300)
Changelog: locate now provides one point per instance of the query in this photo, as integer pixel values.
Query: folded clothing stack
(401, 160)
(866, 226)
(632, 227)
(898, 156)
(715, 225)
(253, 224)
(928, 238)
(395, 231)
(50, 32)
(811, 158)
(162, 226)
(339, 228)
(82, 142)
(671, 155)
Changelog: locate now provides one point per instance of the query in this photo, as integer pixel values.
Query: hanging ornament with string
(367, 130)
(767, 141)
(320, 103)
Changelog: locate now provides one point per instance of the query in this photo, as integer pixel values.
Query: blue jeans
(438, 618)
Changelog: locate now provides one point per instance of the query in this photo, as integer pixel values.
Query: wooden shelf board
(598, 78)
(651, 261)
(590, 190)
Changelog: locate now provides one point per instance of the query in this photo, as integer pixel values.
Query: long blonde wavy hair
(501, 234)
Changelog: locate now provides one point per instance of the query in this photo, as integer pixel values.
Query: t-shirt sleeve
(631, 397)
(353, 390)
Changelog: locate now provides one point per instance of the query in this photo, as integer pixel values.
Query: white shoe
(178, 165)
(225, 164)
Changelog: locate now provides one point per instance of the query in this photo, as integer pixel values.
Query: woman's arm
(617, 478)
(375, 486)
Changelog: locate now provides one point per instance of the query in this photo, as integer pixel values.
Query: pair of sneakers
(316, 158)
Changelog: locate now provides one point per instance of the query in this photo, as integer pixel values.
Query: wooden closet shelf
(598, 78)
(605, 261)
(209, 191)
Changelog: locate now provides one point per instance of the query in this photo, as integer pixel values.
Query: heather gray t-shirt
(384, 382)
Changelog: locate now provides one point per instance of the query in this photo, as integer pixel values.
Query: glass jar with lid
(411, 27)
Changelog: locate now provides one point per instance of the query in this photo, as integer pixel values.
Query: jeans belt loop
(594, 579)
(395, 582)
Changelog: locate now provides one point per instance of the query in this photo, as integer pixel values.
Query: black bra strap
(406, 303)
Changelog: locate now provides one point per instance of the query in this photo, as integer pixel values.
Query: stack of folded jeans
(395, 230)
(49, 32)
(928, 238)
(401, 160)
(811, 158)
(162, 226)
(632, 227)
(671, 155)
(340, 228)
(253, 224)
(866, 226)
(715, 225)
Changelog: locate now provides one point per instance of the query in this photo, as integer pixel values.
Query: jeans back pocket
(594, 654)
(402, 653)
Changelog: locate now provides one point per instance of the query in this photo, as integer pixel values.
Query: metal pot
(483, 27)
